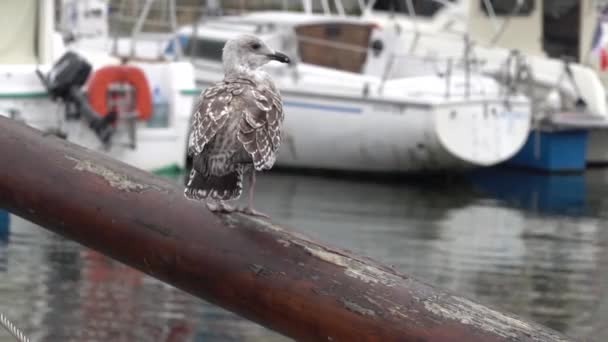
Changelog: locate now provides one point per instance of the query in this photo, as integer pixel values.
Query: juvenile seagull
(236, 128)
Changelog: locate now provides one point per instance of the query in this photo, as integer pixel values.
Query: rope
(8, 325)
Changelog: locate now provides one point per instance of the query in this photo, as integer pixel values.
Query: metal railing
(441, 66)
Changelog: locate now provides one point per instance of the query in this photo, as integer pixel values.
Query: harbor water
(530, 244)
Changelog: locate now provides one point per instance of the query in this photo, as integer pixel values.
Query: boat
(131, 109)
(543, 48)
(520, 44)
(343, 113)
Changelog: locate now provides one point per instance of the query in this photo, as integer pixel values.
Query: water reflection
(4, 224)
(552, 193)
(523, 243)
(4, 233)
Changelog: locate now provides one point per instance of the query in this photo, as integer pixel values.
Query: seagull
(236, 127)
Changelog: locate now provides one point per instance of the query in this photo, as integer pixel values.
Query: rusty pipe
(276, 277)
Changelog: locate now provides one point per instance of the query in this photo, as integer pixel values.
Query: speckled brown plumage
(236, 126)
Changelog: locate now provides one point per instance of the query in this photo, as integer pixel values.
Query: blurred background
(463, 142)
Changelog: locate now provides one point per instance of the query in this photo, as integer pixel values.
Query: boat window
(423, 8)
(341, 46)
(561, 28)
(508, 7)
(204, 48)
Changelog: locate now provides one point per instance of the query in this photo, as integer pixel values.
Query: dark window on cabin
(561, 28)
(204, 49)
(508, 7)
(341, 46)
(423, 8)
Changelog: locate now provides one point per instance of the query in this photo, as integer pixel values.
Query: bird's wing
(210, 115)
(260, 127)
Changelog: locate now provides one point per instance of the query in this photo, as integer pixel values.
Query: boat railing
(441, 66)
(462, 60)
(135, 18)
(168, 14)
(516, 74)
(129, 12)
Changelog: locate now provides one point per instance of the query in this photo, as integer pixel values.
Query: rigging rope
(8, 325)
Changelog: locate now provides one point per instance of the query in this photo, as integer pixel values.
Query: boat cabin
(556, 28)
(553, 28)
(340, 44)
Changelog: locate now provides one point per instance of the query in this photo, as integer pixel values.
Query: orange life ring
(103, 77)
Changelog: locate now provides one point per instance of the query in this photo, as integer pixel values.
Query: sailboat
(545, 49)
(344, 110)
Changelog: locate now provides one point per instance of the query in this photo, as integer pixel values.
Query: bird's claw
(253, 212)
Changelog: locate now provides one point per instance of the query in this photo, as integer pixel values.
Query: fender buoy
(103, 77)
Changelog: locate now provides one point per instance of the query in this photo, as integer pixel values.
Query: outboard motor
(65, 82)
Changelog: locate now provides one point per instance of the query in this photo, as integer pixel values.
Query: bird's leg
(249, 208)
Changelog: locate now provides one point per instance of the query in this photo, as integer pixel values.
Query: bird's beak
(279, 56)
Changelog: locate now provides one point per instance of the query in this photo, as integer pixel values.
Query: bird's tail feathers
(224, 187)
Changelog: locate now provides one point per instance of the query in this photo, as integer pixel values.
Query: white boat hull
(155, 148)
(350, 134)
(392, 138)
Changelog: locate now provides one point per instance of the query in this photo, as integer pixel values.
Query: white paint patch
(332, 258)
(470, 313)
(116, 180)
(355, 268)
(398, 312)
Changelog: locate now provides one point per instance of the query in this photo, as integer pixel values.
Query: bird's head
(247, 52)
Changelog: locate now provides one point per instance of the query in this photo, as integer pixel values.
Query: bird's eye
(256, 46)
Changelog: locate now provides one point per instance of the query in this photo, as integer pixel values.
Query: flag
(599, 39)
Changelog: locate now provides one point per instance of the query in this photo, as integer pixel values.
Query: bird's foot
(250, 211)
(220, 207)
(212, 206)
(227, 208)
